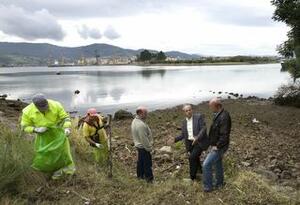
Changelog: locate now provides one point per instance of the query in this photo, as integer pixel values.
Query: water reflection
(115, 87)
(147, 73)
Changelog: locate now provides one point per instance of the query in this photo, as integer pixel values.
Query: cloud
(237, 13)
(245, 12)
(29, 25)
(111, 33)
(85, 32)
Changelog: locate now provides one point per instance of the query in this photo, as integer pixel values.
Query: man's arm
(142, 131)
(202, 132)
(180, 137)
(63, 117)
(225, 126)
(27, 124)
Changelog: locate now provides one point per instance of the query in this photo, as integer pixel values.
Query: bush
(288, 95)
(15, 158)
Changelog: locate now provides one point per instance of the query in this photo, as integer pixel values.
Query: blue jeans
(214, 158)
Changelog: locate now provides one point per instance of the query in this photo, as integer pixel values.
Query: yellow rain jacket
(101, 155)
(52, 148)
(55, 116)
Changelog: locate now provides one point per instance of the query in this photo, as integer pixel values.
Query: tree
(145, 55)
(161, 56)
(288, 11)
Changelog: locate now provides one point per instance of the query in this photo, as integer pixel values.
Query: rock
(268, 174)
(285, 175)
(246, 164)
(123, 114)
(166, 149)
(3, 97)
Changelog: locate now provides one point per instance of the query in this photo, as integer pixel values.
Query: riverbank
(202, 64)
(262, 165)
(152, 64)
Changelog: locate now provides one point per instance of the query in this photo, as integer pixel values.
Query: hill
(41, 53)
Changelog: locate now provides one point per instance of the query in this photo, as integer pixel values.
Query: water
(109, 88)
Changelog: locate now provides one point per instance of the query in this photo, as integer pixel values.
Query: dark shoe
(207, 190)
(219, 186)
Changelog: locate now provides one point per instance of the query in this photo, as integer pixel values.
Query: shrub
(15, 158)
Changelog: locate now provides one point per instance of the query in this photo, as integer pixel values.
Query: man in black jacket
(219, 141)
(193, 132)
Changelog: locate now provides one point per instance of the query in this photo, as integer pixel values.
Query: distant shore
(201, 64)
(152, 64)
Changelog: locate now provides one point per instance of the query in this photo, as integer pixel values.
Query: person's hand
(188, 154)
(214, 148)
(67, 131)
(98, 145)
(194, 142)
(40, 129)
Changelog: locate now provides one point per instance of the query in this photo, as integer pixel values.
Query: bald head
(215, 104)
(142, 112)
(188, 110)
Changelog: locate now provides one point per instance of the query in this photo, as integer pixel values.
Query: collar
(187, 119)
(216, 115)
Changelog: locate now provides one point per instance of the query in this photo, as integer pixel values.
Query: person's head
(91, 112)
(215, 105)
(142, 112)
(188, 110)
(40, 102)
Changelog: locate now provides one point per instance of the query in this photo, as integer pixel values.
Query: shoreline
(264, 140)
(149, 64)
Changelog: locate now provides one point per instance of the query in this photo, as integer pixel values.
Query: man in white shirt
(193, 132)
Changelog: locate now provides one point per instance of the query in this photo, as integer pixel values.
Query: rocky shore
(264, 139)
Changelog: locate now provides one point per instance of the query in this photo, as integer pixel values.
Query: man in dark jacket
(219, 141)
(193, 132)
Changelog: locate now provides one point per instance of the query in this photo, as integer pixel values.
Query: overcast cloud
(29, 25)
(85, 32)
(111, 33)
(225, 27)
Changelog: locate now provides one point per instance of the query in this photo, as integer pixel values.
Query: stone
(268, 174)
(285, 175)
(246, 164)
(123, 114)
(166, 149)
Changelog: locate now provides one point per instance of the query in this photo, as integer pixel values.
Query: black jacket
(199, 131)
(219, 131)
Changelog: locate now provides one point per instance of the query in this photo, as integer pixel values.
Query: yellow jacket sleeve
(27, 124)
(86, 130)
(63, 116)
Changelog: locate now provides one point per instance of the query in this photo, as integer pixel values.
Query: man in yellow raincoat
(48, 119)
(94, 132)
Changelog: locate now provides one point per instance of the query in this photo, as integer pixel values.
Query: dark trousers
(194, 159)
(144, 165)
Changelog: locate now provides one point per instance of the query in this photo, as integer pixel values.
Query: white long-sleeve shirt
(190, 128)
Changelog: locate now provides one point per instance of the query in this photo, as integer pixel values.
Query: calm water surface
(109, 88)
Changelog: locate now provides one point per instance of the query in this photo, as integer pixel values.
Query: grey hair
(187, 105)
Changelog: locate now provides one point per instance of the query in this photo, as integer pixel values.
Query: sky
(205, 27)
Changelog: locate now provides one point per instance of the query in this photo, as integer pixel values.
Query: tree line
(288, 11)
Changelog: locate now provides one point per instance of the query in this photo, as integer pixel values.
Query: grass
(20, 185)
(15, 157)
